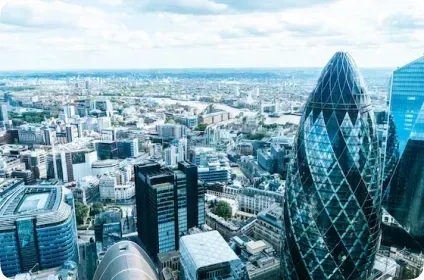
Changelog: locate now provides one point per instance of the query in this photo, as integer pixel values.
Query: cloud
(53, 15)
(270, 5)
(404, 22)
(180, 6)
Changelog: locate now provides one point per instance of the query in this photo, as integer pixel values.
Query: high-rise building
(405, 147)
(195, 195)
(157, 219)
(107, 150)
(405, 201)
(208, 256)
(168, 204)
(127, 148)
(37, 229)
(69, 111)
(104, 106)
(171, 131)
(406, 99)
(4, 117)
(332, 208)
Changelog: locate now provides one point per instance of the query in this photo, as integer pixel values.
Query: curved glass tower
(332, 208)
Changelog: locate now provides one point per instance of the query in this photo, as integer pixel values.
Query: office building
(195, 195)
(87, 262)
(87, 190)
(30, 135)
(253, 200)
(101, 167)
(75, 164)
(108, 228)
(258, 256)
(171, 155)
(69, 111)
(405, 202)
(26, 175)
(332, 208)
(170, 202)
(37, 226)
(126, 260)
(4, 116)
(208, 256)
(269, 226)
(127, 148)
(171, 131)
(107, 184)
(9, 185)
(106, 150)
(104, 106)
(157, 219)
(36, 161)
(406, 99)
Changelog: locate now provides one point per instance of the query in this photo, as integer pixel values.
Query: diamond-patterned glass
(332, 203)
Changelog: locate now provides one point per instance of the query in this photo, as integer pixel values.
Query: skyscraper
(405, 201)
(195, 195)
(405, 148)
(157, 221)
(168, 204)
(332, 208)
(406, 99)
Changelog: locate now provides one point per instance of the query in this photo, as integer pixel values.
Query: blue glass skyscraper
(404, 156)
(332, 208)
(406, 99)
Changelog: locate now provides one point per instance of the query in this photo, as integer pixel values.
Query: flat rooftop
(33, 202)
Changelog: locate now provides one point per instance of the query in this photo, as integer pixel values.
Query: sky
(140, 34)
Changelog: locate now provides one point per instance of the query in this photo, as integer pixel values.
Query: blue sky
(95, 34)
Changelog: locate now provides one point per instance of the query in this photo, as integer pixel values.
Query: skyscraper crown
(340, 86)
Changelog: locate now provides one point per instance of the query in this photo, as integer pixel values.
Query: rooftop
(208, 248)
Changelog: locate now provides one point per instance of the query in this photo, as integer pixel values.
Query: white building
(107, 184)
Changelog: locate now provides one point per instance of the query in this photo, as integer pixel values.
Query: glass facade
(406, 99)
(405, 201)
(45, 235)
(332, 208)
(165, 216)
(25, 229)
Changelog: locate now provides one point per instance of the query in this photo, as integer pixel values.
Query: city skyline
(106, 34)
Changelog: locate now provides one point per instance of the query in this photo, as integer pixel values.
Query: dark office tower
(405, 202)
(332, 208)
(107, 150)
(157, 220)
(195, 195)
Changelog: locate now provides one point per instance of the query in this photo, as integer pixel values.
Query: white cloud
(190, 33)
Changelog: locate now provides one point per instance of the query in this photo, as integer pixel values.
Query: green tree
(201, 127)
(256, 136)
(170, 121)
(81, 212)
(223, 209)
(96, 209)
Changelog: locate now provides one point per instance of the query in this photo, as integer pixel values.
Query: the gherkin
(332, 208)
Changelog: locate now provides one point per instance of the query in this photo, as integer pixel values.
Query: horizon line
(186, 68)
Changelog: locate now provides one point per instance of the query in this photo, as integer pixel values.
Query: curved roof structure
(125, 260)
(44, 202)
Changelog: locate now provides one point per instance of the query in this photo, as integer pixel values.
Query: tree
(170, 121)
(96, 209)
(223, 209)
(81, 212)
(201, 127)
